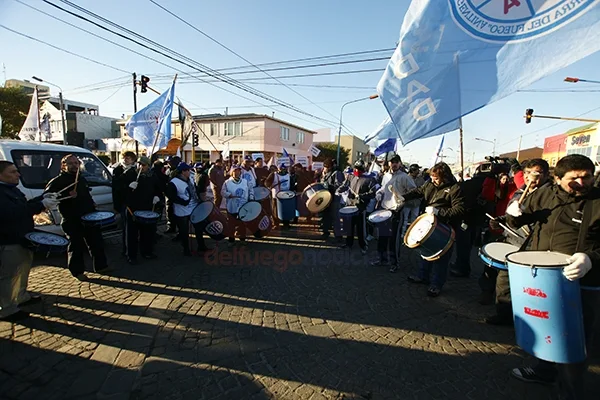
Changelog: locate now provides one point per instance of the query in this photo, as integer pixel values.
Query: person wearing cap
(236, 192)
(332, 178)
(181, 191)
(279, 181)
(172, 163)
(123, 175)
(394, 185)
(410, 211)
(142, 195)
(202, 182)
(361, 189)
(216, 176)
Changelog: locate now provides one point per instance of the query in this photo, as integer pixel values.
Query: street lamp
(575, 80)
(371, 97)
(489, 141)
(62, 106)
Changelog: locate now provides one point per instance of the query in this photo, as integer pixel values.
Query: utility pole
(519, 148)
(137, 150)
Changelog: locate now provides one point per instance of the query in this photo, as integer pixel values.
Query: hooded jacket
(447, 198)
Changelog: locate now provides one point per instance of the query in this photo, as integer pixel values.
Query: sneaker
(529, 375)
(498, 321)
(433, 291)
(80, 277)
(18, 316)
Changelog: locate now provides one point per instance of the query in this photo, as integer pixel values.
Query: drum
(286, 205)
(263, 196)
(98, 218)
(146, 217)
(382, 220)
(494, 254)
(430, 237)
(546, 307)
(255, 218)
(44, 242)
(215, 223)
(345, 219)
(316, 197)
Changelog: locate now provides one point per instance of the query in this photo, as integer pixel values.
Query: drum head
(261, 193)
(146, 214)
(46, 238)
(98, 216)
(538, 258)
(380, 216)
(249, 211)
(498, 250)
(319, 201)
(419, 229)
(201, 212)
(349, 210)
(286, 195)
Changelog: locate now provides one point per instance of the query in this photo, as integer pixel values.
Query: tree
(329, 151)
(14, 106)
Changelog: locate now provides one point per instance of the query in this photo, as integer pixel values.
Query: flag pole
(460, 124)
(38, 113)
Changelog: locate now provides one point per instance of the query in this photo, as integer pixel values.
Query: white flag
(271, 162)
(178, 154)
(226, 151)
(31, 128)
(314, 150)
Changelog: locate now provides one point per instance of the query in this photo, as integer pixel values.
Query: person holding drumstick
(566, 219)
(332, 178)
(236, 192)
(16, 220)
(442, 197)
(142, 195)
(76, 201)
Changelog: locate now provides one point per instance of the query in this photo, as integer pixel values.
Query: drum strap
(585, 224)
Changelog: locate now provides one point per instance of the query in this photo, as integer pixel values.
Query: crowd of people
(523, 204)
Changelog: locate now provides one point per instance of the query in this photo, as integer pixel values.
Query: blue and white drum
(494, 254)
(98, 218)
(45, 242)
(286, 205)
(382, 220)
(430, 237)
(146, 217)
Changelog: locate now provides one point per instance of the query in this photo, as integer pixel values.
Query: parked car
(39, 162)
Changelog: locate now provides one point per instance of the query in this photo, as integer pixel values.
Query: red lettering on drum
(535, 292)
(548, 339)
(536, 313)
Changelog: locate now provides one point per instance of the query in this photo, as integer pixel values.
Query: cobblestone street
(286, 317)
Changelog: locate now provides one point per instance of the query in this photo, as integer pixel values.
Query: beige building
(356, 146)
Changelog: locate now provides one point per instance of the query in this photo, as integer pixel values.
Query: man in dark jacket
(74, 204)
(567, 220)
(442, 197)
(332, 178)
(361, 189)
(123, 175)
(16, 220)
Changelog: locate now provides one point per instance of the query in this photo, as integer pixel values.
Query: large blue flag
(154, 119)
(456, 56)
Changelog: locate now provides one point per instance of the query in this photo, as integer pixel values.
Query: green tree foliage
(329, 151)
(14, 106)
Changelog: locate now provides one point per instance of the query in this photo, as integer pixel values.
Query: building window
(285, 133)
(233, 129)
(214, 129)
(300, 137)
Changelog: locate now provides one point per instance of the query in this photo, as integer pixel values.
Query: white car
(39, 162)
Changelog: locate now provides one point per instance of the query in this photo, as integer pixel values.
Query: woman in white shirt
(236, 193)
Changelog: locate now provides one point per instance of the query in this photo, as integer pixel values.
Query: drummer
(75, 202)
(395, 183)
(236, 192)
(567, 220)
(123, 175)
(261, 171)
(536, 173)
(142, 195)
(16, 220)
(303, 178)
(279, 181)
(181, 191)
(332, 178)
(216, 175)
(442, 197)
(248, 173)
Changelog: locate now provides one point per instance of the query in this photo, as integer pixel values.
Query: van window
(37, 168)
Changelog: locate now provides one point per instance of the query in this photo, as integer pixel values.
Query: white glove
(431, 210)
(50, 203)
(378, 196)
(155, 200)
(133, 185)
(514, 209)
(580, 264)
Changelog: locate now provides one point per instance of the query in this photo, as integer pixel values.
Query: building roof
(525, 154)
(580, 129)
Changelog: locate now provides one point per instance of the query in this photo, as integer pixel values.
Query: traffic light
(571, 80)
(528, 115)
(144, 84)
(195, 139)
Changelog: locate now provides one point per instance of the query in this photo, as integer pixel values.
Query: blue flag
(286, 154)
(385, 147)
(154, 119)
(456, 56)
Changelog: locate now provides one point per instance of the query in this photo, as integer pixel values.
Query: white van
(39, 162)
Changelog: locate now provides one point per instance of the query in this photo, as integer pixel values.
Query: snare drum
(546, 307)
(44, 242)
(286, 205)
(494, 254)
(146, 217)
(430, 237)
(382, 220)
(263, 196)
(345, 219)
(98, 218)
(316, 197)
(255, 218)
(215, 223)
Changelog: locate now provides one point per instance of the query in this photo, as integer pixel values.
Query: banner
(302, 160)
(456, 56)
(258, 155)
(317, 165)
(283, 160)
(314, 150)
(31, 128)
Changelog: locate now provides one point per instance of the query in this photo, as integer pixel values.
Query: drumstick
(66, 187)
(506, 228)
(65, 198)
(524, 193)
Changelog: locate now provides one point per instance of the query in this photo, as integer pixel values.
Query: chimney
(226, 110)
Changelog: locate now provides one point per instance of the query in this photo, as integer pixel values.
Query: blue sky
(267, 31)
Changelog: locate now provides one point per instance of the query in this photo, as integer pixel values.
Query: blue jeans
(439, 269)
